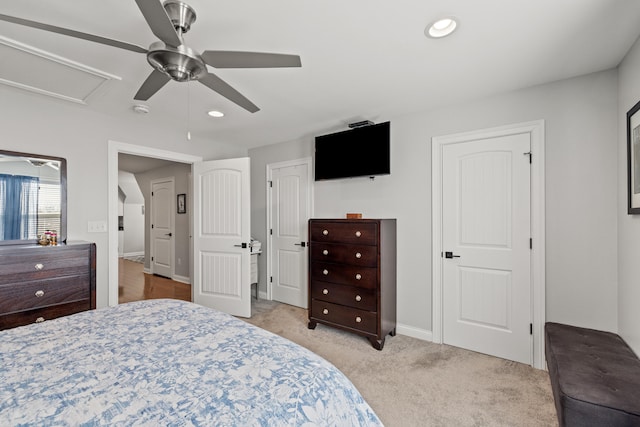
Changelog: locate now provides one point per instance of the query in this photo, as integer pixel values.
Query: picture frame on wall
(633, 159)
(182, 203)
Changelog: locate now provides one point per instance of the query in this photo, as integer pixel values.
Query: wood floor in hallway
(135, 285)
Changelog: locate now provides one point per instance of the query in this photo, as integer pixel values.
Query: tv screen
(363, 151)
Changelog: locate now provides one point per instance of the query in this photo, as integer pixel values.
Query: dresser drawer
(362, 277)
(345, 316)
(28, 295)
(41, 314)
(364, 299)
(42, 263)
(355, 232)
(345, 254)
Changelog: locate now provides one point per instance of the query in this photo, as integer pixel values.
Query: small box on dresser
(39, 283)
(352, 276)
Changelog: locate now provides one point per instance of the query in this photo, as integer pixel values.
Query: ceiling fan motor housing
(180, 63)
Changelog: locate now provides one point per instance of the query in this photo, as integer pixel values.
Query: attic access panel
(28, 68)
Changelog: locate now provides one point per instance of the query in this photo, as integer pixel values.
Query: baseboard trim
(182, 279)
(133, 254)
(413, 332)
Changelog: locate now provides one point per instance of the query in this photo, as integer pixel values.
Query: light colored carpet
(418, 383)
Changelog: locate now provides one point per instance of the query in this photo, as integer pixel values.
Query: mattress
(168, 362)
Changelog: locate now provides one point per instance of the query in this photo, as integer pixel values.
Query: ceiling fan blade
(159, 21)
(232, 59)
(73, 33)
(154, 83)
(217, 84)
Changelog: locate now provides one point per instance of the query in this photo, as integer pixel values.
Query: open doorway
(146, 164)
(153, 236)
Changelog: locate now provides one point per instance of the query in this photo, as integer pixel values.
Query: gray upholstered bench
(595, 377)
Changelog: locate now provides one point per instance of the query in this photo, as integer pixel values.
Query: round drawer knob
(325, 272)
(39, 266)
(358, 255)
(325, 291)
(40, 293)
(325, 252)
(358, 276)
(358, 234)
(325, 311)
(40, 320)
(358, 319)
(325, 232)
(358, 298)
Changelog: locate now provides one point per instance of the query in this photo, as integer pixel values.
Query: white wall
(131, 239)
(121, 198)
(628, 225)
(581, 180)
(37, 124)
(133, 233)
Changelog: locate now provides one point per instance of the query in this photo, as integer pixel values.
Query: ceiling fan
(171, 58)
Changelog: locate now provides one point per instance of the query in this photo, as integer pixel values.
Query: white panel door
(486, 246)
(162, 192)
(289, 217)
(222, 215)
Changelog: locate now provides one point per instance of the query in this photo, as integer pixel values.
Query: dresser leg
(312, 324)
(377, 344)
(393, 332)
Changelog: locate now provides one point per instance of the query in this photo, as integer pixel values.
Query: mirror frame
(62, 235)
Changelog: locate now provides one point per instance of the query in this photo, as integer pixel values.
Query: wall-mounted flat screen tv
(362, 151)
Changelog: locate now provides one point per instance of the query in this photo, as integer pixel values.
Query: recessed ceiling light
(441, 28)
(215, 113)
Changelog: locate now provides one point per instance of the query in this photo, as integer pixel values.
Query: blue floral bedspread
(168, 362)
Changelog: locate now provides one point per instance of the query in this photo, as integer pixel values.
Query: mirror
(33, 197)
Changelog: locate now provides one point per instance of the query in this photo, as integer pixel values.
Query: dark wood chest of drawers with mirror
(39, 283)
(352, 276)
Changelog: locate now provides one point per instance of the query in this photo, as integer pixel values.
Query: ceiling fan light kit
(171, 58)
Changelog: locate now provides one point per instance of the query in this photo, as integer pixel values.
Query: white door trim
(172, 180)
(114, 148)
(270, 167)
(536, 130)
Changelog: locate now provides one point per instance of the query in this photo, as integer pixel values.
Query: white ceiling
(361, 59)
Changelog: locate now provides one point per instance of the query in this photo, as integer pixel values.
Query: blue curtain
(18, 207)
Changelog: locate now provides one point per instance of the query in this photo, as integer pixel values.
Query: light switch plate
(97, 227)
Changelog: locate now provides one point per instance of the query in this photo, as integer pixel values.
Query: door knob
(241, 245)
(169, 234)
(450, 255)
(303, 244)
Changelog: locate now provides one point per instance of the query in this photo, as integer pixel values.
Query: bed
(168, 362)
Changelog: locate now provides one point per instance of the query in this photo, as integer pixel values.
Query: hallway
(135, 285)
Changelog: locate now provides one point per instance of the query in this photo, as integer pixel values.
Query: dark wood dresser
(352, 276)
(38, 283)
